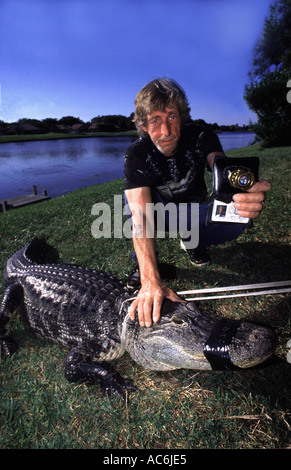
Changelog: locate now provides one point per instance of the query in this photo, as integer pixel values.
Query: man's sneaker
(133, 280)
(196, 256)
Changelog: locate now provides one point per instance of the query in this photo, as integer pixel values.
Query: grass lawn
(184, 409)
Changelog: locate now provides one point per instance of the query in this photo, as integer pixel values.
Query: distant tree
(130, 122)
(116, 121)
(33, 122)
(266, 93)
(200, 122)
(3, 124)
(96, 119)
(69, 121)
(49, 124)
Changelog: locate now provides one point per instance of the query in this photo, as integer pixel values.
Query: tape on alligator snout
(216, 348)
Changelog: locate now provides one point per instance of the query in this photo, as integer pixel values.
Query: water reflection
(60, 166)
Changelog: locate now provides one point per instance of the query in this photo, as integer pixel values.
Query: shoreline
(11, 139)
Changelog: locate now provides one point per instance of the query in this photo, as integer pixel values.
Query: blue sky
(90, 57)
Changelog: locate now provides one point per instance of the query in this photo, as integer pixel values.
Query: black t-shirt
(179, 178)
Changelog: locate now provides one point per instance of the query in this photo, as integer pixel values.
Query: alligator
(85, 311)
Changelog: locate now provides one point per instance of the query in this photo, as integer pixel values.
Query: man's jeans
(212, 234)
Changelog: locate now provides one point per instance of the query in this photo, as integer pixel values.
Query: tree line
(66, 124)
(108, 123)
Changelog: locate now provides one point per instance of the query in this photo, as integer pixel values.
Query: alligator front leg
(13, 298)
(80, 368)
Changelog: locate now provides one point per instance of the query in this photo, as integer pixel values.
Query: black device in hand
(230, 176)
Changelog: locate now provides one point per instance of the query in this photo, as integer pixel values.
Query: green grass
(184, 409)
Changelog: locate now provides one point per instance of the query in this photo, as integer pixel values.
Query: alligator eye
(177, 321)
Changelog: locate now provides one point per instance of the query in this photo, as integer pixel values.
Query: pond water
(61, 166)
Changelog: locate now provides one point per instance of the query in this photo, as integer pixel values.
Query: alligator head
(186, 337)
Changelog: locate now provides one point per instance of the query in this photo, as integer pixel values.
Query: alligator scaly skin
(77, 308)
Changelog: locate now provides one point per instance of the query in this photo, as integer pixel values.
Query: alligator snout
(263, 335)
(252, 345)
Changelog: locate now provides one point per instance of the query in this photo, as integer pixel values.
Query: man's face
(164, 128)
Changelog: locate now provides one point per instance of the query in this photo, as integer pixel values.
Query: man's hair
(158, 95)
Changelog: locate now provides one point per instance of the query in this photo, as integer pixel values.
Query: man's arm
(152, 293)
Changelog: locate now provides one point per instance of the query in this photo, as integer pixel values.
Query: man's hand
(251, 203)
(149, 301)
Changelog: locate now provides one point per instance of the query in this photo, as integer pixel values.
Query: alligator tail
(37, 250)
